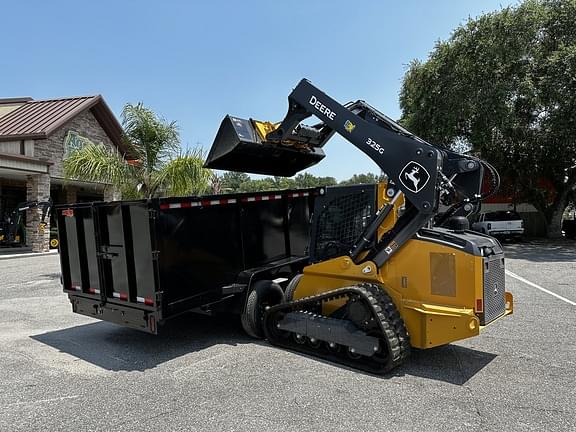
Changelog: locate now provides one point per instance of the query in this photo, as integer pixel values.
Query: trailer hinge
(159, 306)
(159, 297)
(152, 213)
(155, 255)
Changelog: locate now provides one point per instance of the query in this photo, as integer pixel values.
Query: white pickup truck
(505, 223)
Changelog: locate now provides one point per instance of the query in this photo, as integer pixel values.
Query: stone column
(37, 234)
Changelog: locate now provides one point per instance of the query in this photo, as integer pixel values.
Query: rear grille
(494, 289)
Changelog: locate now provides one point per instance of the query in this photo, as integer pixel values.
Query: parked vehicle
(13, 228)
(505, 223)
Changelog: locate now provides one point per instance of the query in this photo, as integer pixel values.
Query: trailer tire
(291, 288)
(264, 293)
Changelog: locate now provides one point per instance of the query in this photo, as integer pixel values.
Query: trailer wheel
(291, 288)
(264, 293)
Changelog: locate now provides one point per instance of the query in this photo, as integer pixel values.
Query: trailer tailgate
(109, 263)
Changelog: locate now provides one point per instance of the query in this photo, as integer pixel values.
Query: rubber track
(391, 328)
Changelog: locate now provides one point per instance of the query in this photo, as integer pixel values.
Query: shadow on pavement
(542, 251)
(121, 349)
(453, 364)
(54, 276)
(15, 250)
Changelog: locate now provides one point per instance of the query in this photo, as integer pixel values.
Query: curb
(28, 254)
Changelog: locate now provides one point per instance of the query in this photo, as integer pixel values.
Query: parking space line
(532, 284)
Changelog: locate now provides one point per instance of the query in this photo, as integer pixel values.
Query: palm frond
(153, 138)
(97, 163)
(183, 175)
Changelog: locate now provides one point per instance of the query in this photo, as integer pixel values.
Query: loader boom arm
(411, 163)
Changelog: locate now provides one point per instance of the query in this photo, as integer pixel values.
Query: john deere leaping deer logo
(414, 177)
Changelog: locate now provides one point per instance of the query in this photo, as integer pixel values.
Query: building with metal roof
(35, 136)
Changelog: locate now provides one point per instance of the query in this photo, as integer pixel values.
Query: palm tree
(153, 165)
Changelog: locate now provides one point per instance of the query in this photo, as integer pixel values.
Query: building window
(22, 147)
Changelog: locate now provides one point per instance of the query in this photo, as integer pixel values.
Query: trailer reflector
(121, 296)
(93, 291)
(224, 201)
(68, 213)
(298, 194)
(261, 198)
(76, 287)
(146, 300)
(204, 203)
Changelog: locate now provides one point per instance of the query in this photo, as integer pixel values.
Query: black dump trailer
(140, 263)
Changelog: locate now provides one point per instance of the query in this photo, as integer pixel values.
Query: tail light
(479, 305)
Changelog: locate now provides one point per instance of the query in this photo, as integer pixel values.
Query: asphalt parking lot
(64, 372)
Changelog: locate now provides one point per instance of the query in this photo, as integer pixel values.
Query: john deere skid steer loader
(379, 282)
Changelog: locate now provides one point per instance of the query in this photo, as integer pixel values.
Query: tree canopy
(241, 182)
(363, 178)
(504, 86)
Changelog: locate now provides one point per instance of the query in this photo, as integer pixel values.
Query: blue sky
(195, 62)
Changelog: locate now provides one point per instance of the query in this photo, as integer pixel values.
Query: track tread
(393, 318)
(392, 327)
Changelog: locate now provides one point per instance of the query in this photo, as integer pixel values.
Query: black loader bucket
(238, 146)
